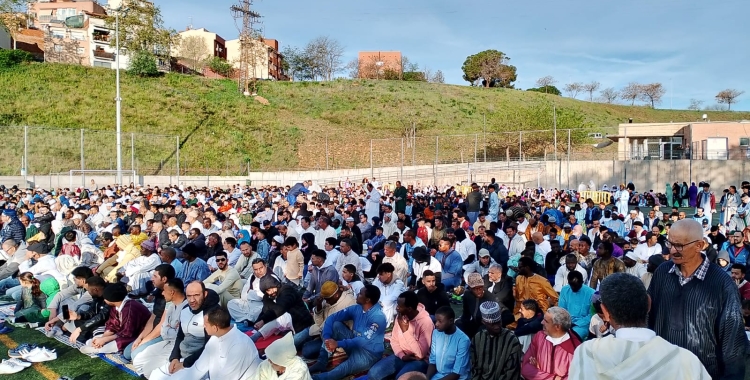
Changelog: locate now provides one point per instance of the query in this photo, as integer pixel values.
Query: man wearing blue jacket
(297, 190)
(363, 343)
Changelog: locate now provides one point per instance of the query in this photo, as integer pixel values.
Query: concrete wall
(645, 175)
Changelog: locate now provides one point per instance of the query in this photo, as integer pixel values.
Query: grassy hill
(222, 132)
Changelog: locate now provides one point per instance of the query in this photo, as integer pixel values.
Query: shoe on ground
(5, 329)
(7, 367)
(16, 352)
(40, 354)
(20, 362)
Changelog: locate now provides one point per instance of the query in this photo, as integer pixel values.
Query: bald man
(542, 245)
(695, 304)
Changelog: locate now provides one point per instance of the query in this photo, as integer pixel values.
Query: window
(744, 141)
(58, 34)
(80, 51)
(57, 48)
(78, 36)
(64, 13)
(102, 64)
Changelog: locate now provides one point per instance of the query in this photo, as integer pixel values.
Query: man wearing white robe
(373, 203)
(633, 351)
(138, 271)
(229, 354)
(622, 197)
(250, 303)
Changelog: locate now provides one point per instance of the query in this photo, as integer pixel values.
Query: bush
(221, 67)
(10, 58)
(546, 89)
(143, 64)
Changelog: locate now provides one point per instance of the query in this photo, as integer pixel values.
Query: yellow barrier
(596, 196)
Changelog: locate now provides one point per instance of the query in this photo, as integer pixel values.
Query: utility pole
(554, 126)
(118, 99)
(484, 117)
(246, 17)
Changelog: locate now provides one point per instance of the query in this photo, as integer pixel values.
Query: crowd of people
(418, 282)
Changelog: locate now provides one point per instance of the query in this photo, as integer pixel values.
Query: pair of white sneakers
(14, 365)
(37, 354)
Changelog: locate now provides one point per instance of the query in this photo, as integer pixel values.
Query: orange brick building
(376, 64)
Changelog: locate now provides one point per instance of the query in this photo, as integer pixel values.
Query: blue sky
(695, 48)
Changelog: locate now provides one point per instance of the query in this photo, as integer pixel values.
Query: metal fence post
(476, 142)
(26, 154)
(178, 160)
(372, 171)
(520, 145)
(437, 149)
(568, 158)
(326, 152)
(402, 158)
(132, 151)
(83, 166)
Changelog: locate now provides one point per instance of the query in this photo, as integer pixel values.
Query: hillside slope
(222, 132)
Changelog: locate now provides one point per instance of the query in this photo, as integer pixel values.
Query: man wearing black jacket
(432, 296)
(283, 309)
(192, 336)
(92, 315)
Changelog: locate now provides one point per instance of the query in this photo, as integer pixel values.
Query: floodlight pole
(118, 99)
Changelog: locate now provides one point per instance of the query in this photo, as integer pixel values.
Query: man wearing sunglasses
(225, 281)
(695, 304)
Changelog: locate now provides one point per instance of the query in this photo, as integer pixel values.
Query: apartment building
(265, 53)
(75, 32)
(375, 64)
(215, 46)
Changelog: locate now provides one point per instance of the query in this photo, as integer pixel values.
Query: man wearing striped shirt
(495, 351)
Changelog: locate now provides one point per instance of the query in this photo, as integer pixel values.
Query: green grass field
(70, 362)
(223, 132)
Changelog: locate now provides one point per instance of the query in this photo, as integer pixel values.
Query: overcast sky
(694, 48)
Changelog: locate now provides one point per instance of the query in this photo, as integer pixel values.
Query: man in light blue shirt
(449, 351)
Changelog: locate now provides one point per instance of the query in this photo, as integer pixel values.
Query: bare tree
(591, 88)
(573, 89)
(609, 95)
(728, 97)
(193, 50)
(695, 104)
(631, 92)
(652, 93)
(544, 82)
(325, 56)
(438, 77)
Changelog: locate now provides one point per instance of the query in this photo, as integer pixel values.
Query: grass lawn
(69, 362)
(222, 132)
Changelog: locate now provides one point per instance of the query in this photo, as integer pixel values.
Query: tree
(489, 68)
(13, 16)
(652, 93)
(299, 67)
(695, 104)
(546, 82)
(220, 66)
(10, 58)
(438, 77)
(728, 97)
(631, 92)
(573, 89)
(193, 49)
(609, 95)
(142, 29)
(143, 64)
(591, 88)
(546, 89)
(324, 57)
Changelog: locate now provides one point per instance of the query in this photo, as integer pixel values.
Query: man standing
(399, 194)
(730, 204)
(707, 201)
(696, 306)
(605, 265)
(495, 351)
(551, 349)
(473, 203)
(494, 207)
(634, 351)
(592, 213)
(363, 343)
(530, 285)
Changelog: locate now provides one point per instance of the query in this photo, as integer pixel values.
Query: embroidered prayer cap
(490, 312)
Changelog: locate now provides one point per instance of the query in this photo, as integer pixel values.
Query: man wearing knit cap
(332, 299)
(495, 351)
(138, 271)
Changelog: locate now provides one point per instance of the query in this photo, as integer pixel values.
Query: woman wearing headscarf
(282, 363)
(693, 194)
(307, 247)
(684, 194)
(670, 194)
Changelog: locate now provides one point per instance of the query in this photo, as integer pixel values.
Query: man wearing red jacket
(551, 349)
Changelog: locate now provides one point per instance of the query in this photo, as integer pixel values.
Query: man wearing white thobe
(373, 203)
(250, 303)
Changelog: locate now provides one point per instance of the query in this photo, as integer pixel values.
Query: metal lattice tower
(245, 20)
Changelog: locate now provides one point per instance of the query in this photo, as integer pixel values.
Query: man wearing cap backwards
(412, 336)
(332, 300)
(282, 363)
(12, 227)
(634, 351)
(495, 351)
(126, 320)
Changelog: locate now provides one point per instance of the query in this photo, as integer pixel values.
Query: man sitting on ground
(225, 280)
(450, 363)
(495, 350)
(332, 300)
(283, 309)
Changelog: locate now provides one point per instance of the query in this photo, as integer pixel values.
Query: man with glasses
(225, 281)
(696, 306)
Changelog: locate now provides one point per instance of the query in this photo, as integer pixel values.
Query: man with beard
(576, 299)
(495, 351)
(283, 309)
(432, 295)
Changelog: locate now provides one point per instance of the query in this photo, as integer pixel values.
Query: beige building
(215, 46)
(704, 140)
(259, 57)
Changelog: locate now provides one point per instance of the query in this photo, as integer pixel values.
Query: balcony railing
(104, 55)
(101, 38)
